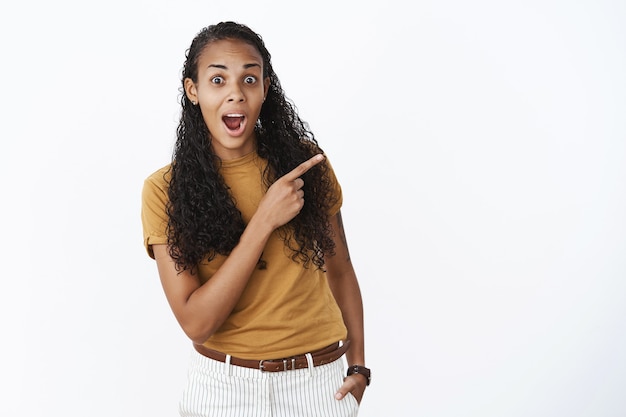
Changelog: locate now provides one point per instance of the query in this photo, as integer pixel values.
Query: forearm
(345, 287)
(213, 302)
(202, 308)
(348, 296)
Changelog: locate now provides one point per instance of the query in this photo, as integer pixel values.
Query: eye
(249, 79)
(217, 80)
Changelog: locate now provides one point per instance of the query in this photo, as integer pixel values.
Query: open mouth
(233, 122)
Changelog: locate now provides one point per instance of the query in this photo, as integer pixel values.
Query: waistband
(320, 357)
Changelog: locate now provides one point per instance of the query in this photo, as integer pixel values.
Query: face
(230, 92)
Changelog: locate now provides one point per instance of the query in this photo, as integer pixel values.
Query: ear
(266, 87)
(190, 90)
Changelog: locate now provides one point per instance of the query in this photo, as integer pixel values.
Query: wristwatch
(360, 369)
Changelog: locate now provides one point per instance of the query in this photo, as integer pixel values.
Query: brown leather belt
(323, 356)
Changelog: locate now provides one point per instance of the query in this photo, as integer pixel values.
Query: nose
(235, 94)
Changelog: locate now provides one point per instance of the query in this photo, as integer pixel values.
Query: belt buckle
(262, 367)
(285, 364)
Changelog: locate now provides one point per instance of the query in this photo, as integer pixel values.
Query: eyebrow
(245, 66)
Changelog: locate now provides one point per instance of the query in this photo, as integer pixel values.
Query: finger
(299, 183)
(304, 167)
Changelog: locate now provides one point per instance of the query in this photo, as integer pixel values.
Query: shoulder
(159, 178)
(336, 199)
(156, 184)
(154, 202)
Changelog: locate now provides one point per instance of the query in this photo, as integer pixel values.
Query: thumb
(341, 392)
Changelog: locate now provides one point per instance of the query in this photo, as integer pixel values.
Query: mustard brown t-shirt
(285, 309)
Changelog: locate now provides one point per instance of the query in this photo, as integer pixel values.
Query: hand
(354, 384)
(285, 198)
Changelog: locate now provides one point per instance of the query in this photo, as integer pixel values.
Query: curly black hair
(203, 218)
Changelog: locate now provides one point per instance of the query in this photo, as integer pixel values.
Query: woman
(245, 227)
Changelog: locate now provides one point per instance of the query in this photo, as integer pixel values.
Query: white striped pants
(216, 389)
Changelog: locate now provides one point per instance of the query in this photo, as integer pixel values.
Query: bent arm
(345, 288)
(201, 309)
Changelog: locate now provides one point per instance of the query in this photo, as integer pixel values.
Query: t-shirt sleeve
(337, 193)
(153, 212)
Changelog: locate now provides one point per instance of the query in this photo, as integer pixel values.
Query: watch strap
(362, 370)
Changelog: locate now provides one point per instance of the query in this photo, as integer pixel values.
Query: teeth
(234, 115)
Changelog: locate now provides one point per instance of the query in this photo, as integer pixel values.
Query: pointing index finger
(304, 167)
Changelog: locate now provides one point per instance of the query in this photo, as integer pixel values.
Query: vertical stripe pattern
(216, 389)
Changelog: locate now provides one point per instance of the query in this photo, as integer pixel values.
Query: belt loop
(309, 360)
(227, 365)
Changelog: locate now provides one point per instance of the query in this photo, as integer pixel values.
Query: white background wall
(482, 150)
